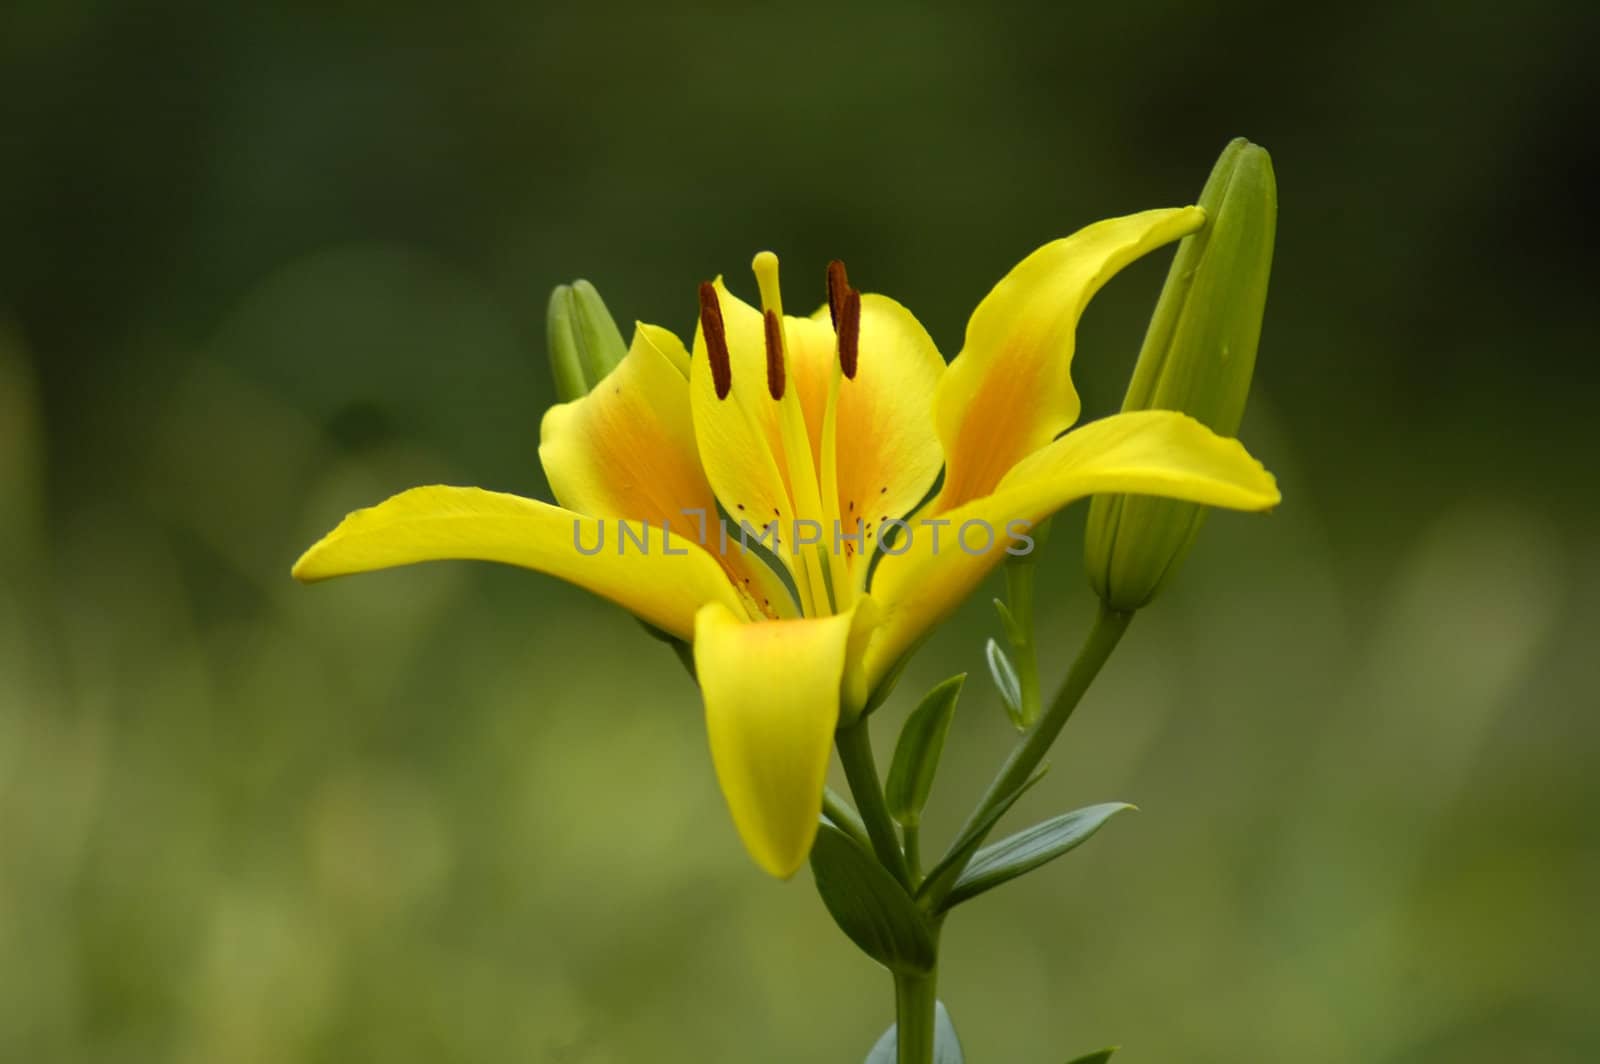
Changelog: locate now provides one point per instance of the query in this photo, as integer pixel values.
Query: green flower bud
(585, 343)
(1198, 356)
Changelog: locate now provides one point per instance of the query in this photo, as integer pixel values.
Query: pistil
(823, 567)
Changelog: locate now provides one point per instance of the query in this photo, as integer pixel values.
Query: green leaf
(885, 688)
(869, 905)
(946, 1046)
(1095, 1058)
(1013, 633)
(969, 840)
(1028, 849)
(916, 755)
(1005, 680)
(842, 815)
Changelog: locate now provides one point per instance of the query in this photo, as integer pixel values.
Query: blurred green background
(262, 267)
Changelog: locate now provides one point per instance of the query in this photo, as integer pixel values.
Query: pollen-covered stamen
(716, 340)
(838, 285)
(849, 328)
(774, 333)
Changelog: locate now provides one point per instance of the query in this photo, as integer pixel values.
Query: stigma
(765, 267)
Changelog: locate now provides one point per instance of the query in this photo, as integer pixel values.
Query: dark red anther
(838, 285)
(774, 354)
(716, 340)
(849, 328)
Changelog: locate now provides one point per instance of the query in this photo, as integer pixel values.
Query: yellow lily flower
(823, 433)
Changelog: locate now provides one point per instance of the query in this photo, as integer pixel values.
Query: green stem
(1031, 749)
(914, 997)
(861, 771)
(912, 833)
(1019, 600)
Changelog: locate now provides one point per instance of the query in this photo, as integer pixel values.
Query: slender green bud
(585, 343)
(1198, 356)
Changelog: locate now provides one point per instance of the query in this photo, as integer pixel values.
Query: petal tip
(306, 569)
(1271, 496)
(781, 865)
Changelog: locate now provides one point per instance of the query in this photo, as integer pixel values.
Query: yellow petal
(888, 452)
(627, 450)
(853, 691)
(771, 692)
(666, 343)
(663, 583)
(1151, 452)
(1010, 390)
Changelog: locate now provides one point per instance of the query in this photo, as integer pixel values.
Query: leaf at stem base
(869, 905)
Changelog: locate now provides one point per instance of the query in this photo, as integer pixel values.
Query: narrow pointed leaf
(1005, 680)
(1013, 633)
(1099, 1057)
(1028, 849)
(869, 905)
(941, 875)
(946, 1046)
(886, 685)
(916, 755)
(842, 815)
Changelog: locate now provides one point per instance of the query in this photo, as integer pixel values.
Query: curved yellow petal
(666, 343)
(888, 452)
(1151, 452)
(1009, 392)
(771, 693)
(627, 450)
(663, 582)
(854, 693)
